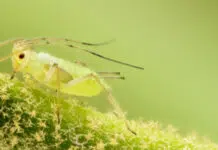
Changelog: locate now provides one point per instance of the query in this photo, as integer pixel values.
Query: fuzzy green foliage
(28, 121)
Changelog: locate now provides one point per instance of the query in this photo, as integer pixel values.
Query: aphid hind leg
(110, 97)
(118, 111)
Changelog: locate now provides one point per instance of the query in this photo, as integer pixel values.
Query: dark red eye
(21, 56)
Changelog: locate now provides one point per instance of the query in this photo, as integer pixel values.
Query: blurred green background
(175, 41)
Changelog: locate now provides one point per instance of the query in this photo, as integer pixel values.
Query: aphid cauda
(73, 78)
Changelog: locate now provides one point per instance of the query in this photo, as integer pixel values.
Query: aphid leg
(50, 73)
(118, 111)
(52, 70)
(110, 97)
(58, 92)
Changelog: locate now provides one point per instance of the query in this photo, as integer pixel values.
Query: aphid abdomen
(67, 72)
(85, 88)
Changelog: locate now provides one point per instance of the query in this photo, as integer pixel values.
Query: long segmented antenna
(10, 55)
(66, 40)
(55, 40)
(43, 41)
(47, 40)
(4, 43)
(5, 57)
(106, 58)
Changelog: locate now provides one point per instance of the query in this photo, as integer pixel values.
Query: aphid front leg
(54, 69)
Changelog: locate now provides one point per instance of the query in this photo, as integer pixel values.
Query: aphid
(72, 78)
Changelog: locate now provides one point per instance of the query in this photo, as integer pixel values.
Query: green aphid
(72, 78)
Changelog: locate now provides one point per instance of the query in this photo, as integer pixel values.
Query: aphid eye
(21, 56)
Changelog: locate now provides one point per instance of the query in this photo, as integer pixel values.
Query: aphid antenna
(67, 40)
(106, 58)
(46, 41)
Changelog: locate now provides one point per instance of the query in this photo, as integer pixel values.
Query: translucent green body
(38, 65)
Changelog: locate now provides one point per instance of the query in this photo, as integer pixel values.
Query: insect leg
(52, 70)
(110, 97)
(114, 103)
(119, 112)
(50, 73)
(58, 91)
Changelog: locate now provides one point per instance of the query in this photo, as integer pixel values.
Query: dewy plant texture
(28, 121)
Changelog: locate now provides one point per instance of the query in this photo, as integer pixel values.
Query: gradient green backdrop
(175, 41)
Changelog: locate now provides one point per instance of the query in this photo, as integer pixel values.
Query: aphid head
(21, 54)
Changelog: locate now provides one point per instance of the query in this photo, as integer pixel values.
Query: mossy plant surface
(28, 121)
